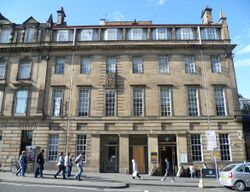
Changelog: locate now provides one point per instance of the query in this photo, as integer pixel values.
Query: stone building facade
(120, 90)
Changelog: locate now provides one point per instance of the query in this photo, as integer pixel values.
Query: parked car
(236, 176)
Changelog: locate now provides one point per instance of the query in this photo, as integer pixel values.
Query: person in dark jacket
(168, 171)
(39, 164)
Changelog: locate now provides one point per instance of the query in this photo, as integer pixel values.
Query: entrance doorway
(109, 154)
(26, 140)
(167, 149)
(138, 151)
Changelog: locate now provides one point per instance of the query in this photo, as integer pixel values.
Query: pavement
(106, 180)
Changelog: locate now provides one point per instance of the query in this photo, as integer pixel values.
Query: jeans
(61, 168)
(68, 171)
(21, 170)
(80, 170)
(39, 170)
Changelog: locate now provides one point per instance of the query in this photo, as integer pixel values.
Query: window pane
(193, 102)
(136, 34)
(21, 101)
(185, 34)
(137, 65)
(59, 67)
(81, 146)
(225, 147)
(210, 34)
(1, 101)
(196, 147)
(111, 65)
(64, 35)
(57, 101)
(165, 98)
(53, 147)
(87, 35)
(220, 101)
(5, 35)
(83, 106)
(85, 65)
(2, 69)
(215, 63)
(163, 65)
(189, 64)
(110, 102)
(24, 69)
(161, 34)
(112, 34)
(29, 35)
(138, 101)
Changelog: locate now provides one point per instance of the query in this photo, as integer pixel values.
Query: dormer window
(112, 34)
(5, 35)
(87, 35)
(136, 34)
(29, 35)
(161, 34)
(185, 34)
(210, 34)
(64, 35)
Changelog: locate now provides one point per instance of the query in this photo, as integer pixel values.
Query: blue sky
(86, 12)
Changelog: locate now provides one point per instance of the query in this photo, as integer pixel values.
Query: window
(2, 69)
(163, 65)
(53, 147)
(193, 102)
(64, 35)
(5, 35)
(161, 34)
(1, 139)
(137, 65)
(224, 147)
(29, 35)
(196, 147)
(215, 64)
(59, 67)
(83, 105)
(165, 99)
(112, 34)
(138, 101)
(21, 102)
(87, 35)
(1, 100)
(111, 65)
(210, 34)
(110, 102)
(57, 102)
(185, 34)
(24, 69)
(81, 146)
(189, 64)
(85, 65)
(219, 95)
(136, 34)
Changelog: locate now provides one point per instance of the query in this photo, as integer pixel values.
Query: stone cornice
(118, 45)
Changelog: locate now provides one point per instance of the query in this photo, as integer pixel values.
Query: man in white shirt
(79, 164)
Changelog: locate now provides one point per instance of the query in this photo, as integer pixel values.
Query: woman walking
(61, 166)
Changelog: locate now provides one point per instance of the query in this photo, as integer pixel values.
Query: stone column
(124, 153)
(153, 149)
(95, 153)
(181, 148)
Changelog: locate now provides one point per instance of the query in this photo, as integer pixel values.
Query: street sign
(211, 140)
(216, 154)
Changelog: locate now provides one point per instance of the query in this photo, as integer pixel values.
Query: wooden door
(138, 155)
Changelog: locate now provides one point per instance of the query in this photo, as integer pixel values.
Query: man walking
(22, 164)
(61, 166)
(39, 164)
(135, 170)
(168, 170)
(79, 164)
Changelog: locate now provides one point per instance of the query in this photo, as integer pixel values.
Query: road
(9, 187)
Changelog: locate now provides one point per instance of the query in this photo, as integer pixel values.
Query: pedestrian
(68, 164)
(39, 164)
(204, 166)
(61, 166)
(168, 171)
(192, 171)
(22, 164)
(79, 164)
(135, 170)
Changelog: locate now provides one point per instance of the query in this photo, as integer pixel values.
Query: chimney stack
(206, 15)
(60, 17)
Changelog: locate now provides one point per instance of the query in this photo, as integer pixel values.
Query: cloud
(242, 62)
(156, 2)
(244, 50)
(118, 16)
(161, 2)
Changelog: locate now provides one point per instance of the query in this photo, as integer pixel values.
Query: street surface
(12, 187)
